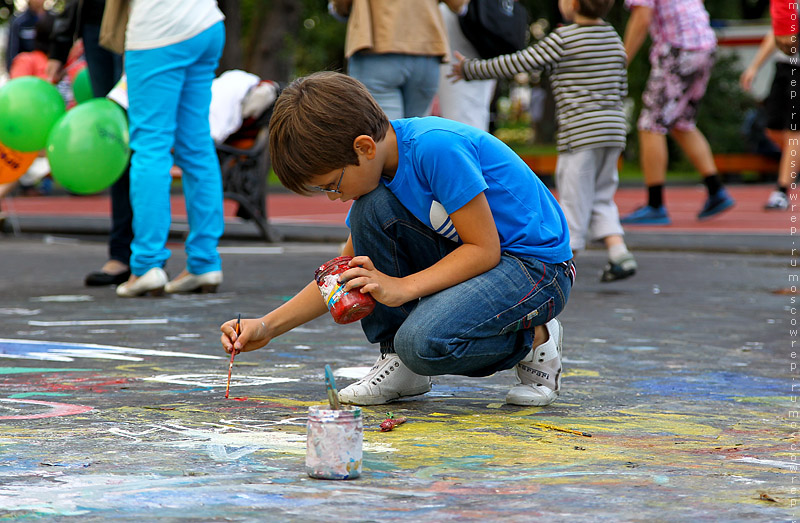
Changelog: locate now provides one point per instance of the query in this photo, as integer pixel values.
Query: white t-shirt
(159, 23)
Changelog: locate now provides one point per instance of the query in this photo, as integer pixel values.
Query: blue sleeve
(451, 165)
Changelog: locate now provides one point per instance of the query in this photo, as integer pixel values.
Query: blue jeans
(403, 85)
(474, 328)
(105, 69)
(169, 89)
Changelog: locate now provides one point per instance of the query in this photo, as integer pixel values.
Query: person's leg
(782, 128)
(195, 153)
(422, 81)
(104, 65)
(474, 328)
(653, 157)
(483, 325)
(779, 199)
(575, 184)
(121, 234)
(399, 245)
(383, 77)
(104, 73)
(605, 223)
(692, 72)
(653, 126)
(155, 80)
(697, 150)
(443, 333)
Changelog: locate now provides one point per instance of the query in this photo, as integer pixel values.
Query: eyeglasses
(333, 191)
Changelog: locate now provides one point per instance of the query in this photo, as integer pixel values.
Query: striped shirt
(587, 68)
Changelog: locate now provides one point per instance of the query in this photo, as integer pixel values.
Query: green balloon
(82, 86)
(29, 107)
(88, 148)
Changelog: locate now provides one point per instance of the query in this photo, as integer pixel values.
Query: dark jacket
(21, 35)
(69, 25)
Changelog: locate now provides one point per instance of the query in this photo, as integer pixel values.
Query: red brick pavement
(683, 203)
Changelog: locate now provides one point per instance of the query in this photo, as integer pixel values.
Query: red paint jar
(345, 307)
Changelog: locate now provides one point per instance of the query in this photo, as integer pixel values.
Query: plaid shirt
(679, 23)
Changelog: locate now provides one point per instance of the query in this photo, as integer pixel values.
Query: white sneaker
(777, 201)
(538, 379)
(388, 380)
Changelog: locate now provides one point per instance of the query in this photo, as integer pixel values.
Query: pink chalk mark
(56, 409)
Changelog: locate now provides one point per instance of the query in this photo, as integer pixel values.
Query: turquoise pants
(169, 91)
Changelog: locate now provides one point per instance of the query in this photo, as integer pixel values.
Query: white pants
(466, 102)
(587, 181)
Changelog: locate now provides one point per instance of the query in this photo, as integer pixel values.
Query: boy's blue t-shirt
(444, 164)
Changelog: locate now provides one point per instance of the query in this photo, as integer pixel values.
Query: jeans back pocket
(533, 318)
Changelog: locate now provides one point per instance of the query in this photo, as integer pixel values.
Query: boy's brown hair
(595, 8)
(314, 123)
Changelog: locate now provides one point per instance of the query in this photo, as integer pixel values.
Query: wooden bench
(244, 165)
(742, 163)
(545, 164)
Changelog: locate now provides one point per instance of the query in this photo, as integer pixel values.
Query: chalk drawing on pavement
(53, 409)
(60, 351)
(217, 380)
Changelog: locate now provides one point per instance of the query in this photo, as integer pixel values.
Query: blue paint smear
(17, 464)
(713, 386)
(23, 347)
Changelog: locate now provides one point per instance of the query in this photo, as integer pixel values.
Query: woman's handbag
(495, 27)
(114, 24)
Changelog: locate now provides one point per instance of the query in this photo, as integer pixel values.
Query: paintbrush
(233, 353)
(559, 429)
(330, 384)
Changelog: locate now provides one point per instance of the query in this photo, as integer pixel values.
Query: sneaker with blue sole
(715, 204)
(647, 215)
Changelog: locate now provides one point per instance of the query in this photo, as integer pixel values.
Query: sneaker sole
(711, 214)
(381, 400)
(527, 401)
(616, 277)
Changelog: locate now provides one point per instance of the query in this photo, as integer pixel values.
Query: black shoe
(101, 279)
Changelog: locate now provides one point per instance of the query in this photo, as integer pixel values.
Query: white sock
(617, 252)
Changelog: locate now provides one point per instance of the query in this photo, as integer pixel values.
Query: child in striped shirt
(586, 62)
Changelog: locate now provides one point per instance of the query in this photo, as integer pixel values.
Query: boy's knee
(373, 206)
(413, 347)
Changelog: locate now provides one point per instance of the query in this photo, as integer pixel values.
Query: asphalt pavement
(114, 408)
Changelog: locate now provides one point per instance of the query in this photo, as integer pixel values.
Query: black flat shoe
(101, 279)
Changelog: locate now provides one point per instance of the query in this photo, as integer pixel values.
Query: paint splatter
(391, 422)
